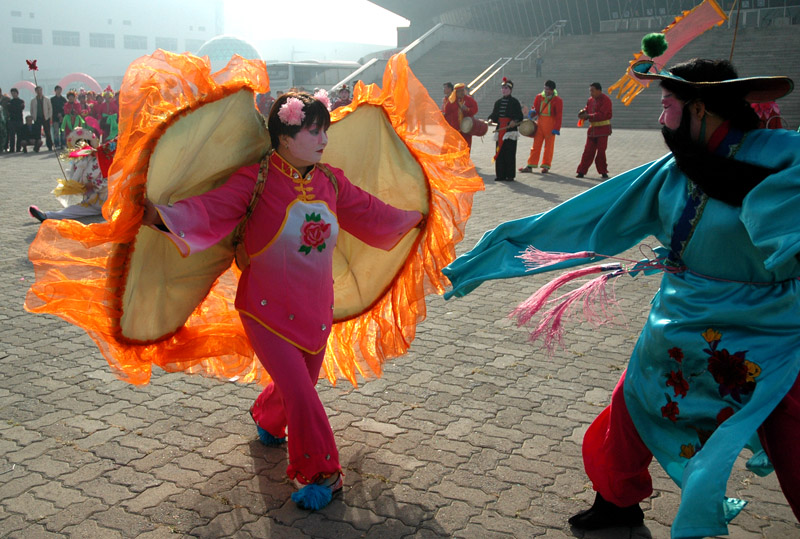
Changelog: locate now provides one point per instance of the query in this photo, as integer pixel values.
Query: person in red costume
(344, 98)
(457, 106)
(547, 111)
(100, 111)
(598, 112)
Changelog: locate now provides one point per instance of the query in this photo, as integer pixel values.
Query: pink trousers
(616, 459)
(291, 400)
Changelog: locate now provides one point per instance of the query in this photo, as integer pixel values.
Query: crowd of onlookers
(53, 118)
(49, 120)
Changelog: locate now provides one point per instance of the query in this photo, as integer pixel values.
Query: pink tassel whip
(593, 292)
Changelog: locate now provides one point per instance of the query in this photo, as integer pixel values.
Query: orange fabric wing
(82, 270)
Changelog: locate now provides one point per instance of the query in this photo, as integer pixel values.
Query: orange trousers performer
(544, 136)
(548, 110)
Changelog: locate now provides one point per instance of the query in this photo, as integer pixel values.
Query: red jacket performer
(547, 110)
(598, 112)
(458, 106)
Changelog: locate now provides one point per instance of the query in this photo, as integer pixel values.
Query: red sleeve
(369, 219)
(558, 109)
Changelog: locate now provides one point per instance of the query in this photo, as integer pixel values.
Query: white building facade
(100, 40)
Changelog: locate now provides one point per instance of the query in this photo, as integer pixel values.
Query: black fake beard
(719, 177)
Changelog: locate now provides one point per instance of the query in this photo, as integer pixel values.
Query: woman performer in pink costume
(285, 294)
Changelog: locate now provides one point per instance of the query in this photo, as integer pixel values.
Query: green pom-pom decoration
(654, 44)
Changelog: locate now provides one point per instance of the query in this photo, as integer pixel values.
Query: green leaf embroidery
(320, 247)
(305, 249)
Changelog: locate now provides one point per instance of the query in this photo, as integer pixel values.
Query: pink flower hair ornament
(291, 112)
(321, 95)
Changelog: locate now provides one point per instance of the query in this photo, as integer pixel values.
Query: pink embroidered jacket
(288, 287)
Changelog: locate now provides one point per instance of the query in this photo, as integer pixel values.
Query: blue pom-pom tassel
(312, 497)
(268, 439)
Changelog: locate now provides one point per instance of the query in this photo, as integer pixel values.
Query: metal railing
(548, 36)
(373, 70)
(537, 46)
(497, 66)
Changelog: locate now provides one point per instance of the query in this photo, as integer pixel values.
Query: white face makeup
(672, 110)
(306, 148)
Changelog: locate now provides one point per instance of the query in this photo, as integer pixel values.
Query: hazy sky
(356, 21)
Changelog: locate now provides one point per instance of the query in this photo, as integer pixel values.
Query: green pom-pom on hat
(654, 44)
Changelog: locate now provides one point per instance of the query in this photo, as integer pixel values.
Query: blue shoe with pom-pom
(268, 439)
(317, 495)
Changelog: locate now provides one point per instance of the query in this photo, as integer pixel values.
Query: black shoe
(604, 514)
(604, 176)
(36, 213)
(545, 171)
(579, 175)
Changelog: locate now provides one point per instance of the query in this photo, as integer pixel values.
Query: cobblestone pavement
(474, 433)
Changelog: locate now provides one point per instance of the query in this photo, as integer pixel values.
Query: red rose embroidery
(314, 231)
(730, 371)
(677, 381)
(670, 411)
(676, 354)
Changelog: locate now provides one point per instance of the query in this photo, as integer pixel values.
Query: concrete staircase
(576, 61)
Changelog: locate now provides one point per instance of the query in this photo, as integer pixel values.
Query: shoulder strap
(238, 232)
(331, 177)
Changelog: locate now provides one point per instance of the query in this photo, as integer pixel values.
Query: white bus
(307, 74)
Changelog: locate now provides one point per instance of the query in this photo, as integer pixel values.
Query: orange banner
(685, 28)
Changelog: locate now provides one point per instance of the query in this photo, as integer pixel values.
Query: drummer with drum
(459, 110)
(547, 112)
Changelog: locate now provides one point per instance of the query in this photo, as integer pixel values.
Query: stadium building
(477, 42)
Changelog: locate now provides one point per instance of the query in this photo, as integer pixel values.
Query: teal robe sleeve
(607, 219)
(769, 210)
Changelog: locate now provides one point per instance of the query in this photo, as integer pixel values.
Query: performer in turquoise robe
(720, 350)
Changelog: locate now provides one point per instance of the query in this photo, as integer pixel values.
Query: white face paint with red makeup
(306, 148)
(672, 110)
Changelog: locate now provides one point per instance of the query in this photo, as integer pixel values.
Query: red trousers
(291, 400)
(594, 150)
(616, 459)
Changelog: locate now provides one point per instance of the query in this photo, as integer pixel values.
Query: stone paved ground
(474, 433)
